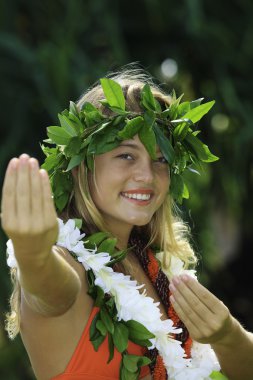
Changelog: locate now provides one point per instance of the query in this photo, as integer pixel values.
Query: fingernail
(13, 163)
(172, 299)
(185, 278)
(176, 280)
(33, 163)
(172, 288)
(24, 156)
(43, 172)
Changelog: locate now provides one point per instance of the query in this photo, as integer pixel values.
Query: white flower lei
(131, 304)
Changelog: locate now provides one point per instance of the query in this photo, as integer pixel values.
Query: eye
(125, 156)
(162, 160)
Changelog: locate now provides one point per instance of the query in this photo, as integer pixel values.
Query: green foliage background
(51, 51)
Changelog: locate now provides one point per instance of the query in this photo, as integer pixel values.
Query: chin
(140, 221)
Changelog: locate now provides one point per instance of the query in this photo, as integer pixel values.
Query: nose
(144, 171)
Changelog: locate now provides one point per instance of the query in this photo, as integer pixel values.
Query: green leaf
(185, 192)
(67, 125)
(73, 146)
(110, 347)
(61, 185)
(104, 141)
(187, 106)
(52, 161)
(117, 256)
(132, 128)
(196, 103)
(101, 327)
(99, 296)
(116, 110)
(215, 375)
(127, 375)
(91, 279)
(97, 342)
(147, 137)
(164, 144)
(113, 93)
(138, 331)
(107, 320)
(147, 98)
(78, 223)
(198, 112)
(107, 245)
(77, 123)
(96, 238)
(199, 149)
(92, 114)
(181, 130)
(177, 186)
(93, 330)
(58, 135)
(61, 201)
(120, 336)
(172, 111)
(133, 362)
(73, 108)
(143, 343)
(75, 161)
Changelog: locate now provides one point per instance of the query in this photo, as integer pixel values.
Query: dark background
(51, 51)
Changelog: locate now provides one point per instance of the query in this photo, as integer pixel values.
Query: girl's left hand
(207, 319)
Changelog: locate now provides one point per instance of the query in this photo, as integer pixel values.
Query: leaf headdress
(87, 132)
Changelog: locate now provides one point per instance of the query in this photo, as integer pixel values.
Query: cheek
(164, 184)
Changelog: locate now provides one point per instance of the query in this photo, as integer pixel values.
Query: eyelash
(160, 160)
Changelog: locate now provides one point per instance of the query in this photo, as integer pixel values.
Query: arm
(209, 321)
(49, 284)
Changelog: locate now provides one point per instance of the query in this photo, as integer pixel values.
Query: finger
(191, 326)
(190, 306)
(8, 206)
(36, 194)
(49, 212)
(206, 297)
(23, 193)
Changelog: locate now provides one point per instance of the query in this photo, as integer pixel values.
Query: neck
(121, 233)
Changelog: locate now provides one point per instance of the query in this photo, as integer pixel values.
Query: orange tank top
(87, 364)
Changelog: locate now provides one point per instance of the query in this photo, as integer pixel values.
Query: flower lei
(129, 314)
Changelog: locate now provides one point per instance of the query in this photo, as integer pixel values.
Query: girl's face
(129, 187)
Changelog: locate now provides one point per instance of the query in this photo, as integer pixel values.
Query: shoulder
(66, 255)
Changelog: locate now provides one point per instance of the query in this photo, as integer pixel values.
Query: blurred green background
(51, 51)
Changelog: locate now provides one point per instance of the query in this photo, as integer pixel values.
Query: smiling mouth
(137, 197)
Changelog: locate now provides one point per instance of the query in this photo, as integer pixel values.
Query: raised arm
(49, 284)
(209, 321)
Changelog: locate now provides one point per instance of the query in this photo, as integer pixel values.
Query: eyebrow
(135, 146)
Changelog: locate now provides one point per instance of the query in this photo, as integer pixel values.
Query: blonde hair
(166, 229)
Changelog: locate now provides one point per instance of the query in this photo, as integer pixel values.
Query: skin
(53, 312)
(125, 168)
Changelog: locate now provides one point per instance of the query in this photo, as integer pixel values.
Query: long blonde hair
(166, 229)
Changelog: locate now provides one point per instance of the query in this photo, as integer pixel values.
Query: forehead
(135, 143)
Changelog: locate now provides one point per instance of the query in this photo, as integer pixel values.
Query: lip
(138, 202)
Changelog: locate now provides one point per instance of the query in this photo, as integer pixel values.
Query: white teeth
(143, 197)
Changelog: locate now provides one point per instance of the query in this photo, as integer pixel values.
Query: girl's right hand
(28, 213)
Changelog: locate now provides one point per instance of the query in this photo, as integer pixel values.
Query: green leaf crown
(87, 132)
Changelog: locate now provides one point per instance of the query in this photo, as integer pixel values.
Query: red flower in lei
(161, 284)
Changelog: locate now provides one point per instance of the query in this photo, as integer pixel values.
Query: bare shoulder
(43, 335)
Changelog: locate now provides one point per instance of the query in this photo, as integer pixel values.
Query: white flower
(69, 235)
(176, 267)
(11, 259)
(93, 261)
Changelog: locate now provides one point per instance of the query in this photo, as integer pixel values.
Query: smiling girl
(108, 291)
